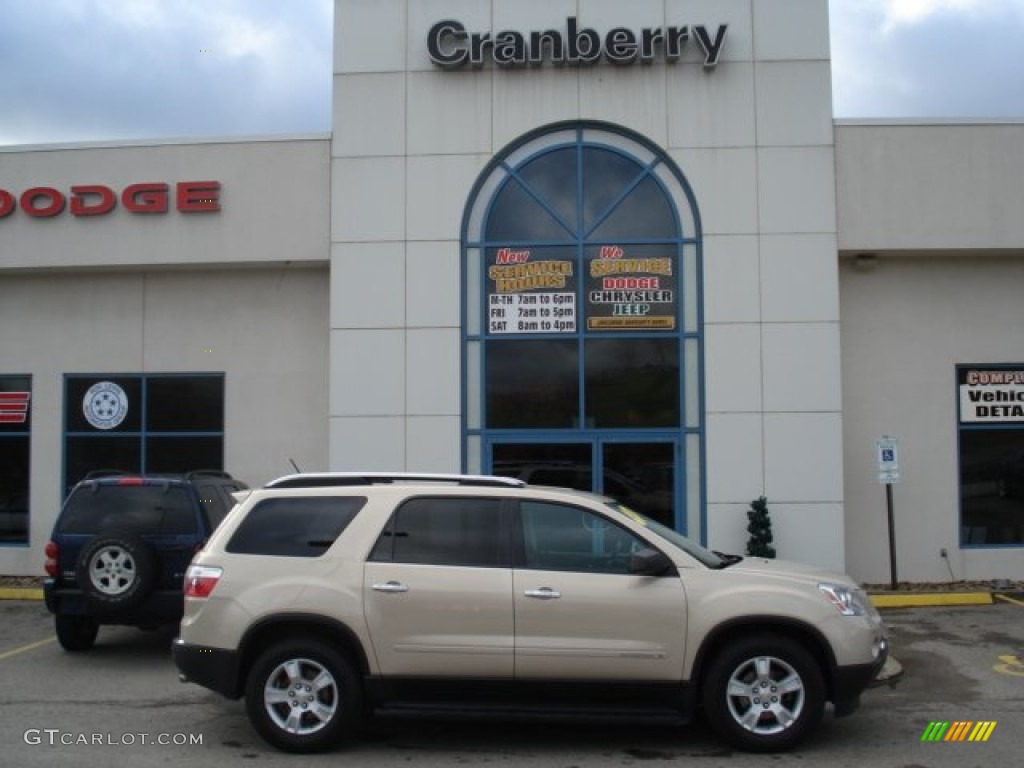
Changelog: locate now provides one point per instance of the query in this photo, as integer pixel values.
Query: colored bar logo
(958, 730)
(14, 407)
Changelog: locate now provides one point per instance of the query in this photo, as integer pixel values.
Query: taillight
(201, 579)
(131, 481)
(50, 550)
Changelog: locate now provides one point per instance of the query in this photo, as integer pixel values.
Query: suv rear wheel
(303, 696)
(75, 633)
(764, 693)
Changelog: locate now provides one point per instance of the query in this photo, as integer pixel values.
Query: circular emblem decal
(105, 405)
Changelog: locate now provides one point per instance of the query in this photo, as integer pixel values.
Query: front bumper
(849, 682)
(213, 668)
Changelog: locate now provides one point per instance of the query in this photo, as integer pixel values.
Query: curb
(921, 600)
(20, 593)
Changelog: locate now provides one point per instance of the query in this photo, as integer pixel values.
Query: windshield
(692, 548)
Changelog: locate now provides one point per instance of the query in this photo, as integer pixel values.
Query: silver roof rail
(341, 479)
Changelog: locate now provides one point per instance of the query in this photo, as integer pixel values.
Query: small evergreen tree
(760, 529)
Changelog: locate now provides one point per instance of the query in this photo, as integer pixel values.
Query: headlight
(848, 601)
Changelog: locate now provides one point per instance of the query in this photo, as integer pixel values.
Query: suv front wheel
(764, 693)
(303, 696)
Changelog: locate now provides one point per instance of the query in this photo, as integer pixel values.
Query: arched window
(582, 320)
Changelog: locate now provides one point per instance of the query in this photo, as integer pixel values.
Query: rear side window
(215, 501)
(444, 531)
(294, 527)
(165, 509)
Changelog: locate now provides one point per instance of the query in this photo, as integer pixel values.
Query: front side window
(444, 531)
(563, 538)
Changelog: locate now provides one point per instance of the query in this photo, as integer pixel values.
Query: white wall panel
(732, 366)
(367, 444)
(731, 279)
(792, 29)
(449, 113)
(368, 199)
(796, 189)
(432, 297)
(433, 370)
(735, 453)
(369, 115)
(799, 278)
(437, 188)
(368, 285)
(803, 457)
(801, 367)
(367, 373)
(370, 36)
(711, 109)
(725, 184)
(794, 103)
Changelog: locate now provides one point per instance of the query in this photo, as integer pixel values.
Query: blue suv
(121, 546)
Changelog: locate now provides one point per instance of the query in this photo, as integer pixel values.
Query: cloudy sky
(98, 70)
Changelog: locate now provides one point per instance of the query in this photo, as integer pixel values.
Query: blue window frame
(149, 423)
(582, 317)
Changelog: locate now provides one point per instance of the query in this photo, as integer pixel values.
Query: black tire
(116, 571)
(764, 693)
(76, 633)
(302, 696)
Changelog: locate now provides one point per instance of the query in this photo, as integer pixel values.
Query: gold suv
(324, 598)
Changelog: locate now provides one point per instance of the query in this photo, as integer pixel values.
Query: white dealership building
(622, 246)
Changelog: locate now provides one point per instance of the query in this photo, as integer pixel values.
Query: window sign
(530, 291)
(630, 290)
(991, 396)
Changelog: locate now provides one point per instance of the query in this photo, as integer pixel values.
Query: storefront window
(582, 329)
(991, 402)
(164, 423)
(15, 431)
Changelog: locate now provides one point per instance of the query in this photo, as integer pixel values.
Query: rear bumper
(213, 668)
(162, 606)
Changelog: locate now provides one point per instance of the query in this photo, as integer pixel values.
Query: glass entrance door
(639, 473)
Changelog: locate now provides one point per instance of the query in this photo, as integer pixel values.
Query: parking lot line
(24, 648)
(1010, 600)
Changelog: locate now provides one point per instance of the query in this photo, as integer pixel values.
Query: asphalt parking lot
(123, 702)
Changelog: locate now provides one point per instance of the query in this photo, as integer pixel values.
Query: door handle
(390, 586)
(544, 593)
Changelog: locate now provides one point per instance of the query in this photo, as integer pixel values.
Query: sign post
(889, 473)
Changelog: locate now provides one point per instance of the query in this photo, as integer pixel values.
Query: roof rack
(208, 473)
(340, 479)
(97, 473)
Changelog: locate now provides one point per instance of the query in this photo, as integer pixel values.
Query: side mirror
(650, 562)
